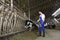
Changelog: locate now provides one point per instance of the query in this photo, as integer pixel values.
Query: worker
(41, 20)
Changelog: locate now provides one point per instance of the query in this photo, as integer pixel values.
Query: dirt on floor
(25, 36)
(51, 34)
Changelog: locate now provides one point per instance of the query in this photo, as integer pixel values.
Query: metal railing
(11, 22)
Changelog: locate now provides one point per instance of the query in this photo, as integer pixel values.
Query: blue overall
(42, 24)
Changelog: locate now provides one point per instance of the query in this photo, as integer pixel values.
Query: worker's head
(40, 12)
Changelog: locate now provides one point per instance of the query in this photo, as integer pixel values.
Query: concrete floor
(50, 35)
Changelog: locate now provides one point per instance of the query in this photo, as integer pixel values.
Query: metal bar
(12, 33)
(2, 15)
(11, 6)
(29, 9)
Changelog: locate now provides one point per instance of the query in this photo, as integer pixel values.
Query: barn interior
(14, 13)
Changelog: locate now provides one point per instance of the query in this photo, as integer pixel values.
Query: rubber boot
(43, 34)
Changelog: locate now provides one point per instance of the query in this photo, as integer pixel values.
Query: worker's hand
(37, 20)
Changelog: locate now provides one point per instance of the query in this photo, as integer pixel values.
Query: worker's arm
(38, 20)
